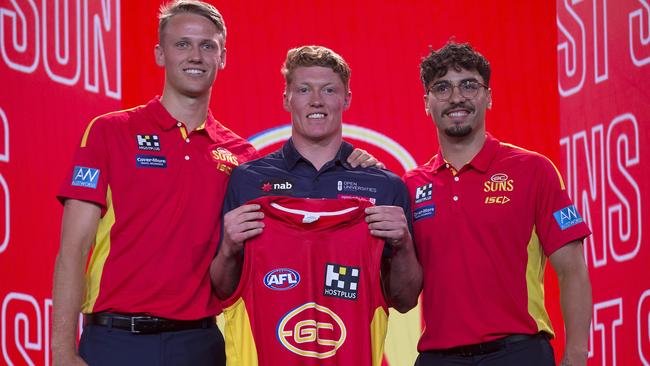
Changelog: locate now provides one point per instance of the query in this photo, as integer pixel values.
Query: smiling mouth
(193, 71)
(316, 115)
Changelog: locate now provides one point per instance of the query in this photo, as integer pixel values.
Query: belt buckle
(134, 319)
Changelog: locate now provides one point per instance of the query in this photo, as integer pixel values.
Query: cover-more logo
(85, 177)
(281, 279)
(341, 281)
(311, 330)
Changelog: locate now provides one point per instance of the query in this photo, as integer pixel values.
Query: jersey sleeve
(87, 177)
(557, 220)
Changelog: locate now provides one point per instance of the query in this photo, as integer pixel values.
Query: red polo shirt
(483, 235)
(161, 191)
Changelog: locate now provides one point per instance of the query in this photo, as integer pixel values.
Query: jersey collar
(292, 156)
(166, 121)
(480, 162)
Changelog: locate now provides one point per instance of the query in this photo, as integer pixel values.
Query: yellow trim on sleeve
(84, 139)
(535, 284)
(101, 250)
(240, 344)
(378, 327)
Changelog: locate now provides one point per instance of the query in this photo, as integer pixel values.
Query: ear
(159, 55)
(426, 104)
(222, 63)
(285, 101)
(489, 99)
(347, 101)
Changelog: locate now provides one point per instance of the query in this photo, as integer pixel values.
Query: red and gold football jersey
(310, 291)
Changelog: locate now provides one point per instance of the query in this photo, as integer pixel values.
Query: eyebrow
(449, 82)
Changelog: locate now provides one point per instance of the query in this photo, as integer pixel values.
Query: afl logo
(311, 330)
(281, 279)
(499, 177)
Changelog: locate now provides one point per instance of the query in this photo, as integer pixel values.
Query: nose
(315, 100)
(455, 96)
(194, 54)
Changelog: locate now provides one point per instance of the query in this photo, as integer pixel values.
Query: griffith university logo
(341, 281)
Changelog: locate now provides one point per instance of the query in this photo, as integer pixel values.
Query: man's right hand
(239, 225)
(68, 360)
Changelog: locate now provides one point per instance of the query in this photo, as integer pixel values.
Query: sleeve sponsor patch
(424, 212)
(85, 177)
(567, 217)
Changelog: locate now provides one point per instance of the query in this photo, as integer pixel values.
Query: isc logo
(281, 279)
(312, 330)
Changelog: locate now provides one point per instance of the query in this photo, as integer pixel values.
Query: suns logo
(312, 330)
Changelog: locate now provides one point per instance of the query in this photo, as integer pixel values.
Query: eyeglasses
(468, 89)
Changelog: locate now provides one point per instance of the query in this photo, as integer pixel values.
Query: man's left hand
(389, 223)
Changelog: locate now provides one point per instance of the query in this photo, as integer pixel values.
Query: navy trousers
(105, 346)
(531, 352)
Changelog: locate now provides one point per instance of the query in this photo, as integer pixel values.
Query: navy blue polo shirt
(286, 173)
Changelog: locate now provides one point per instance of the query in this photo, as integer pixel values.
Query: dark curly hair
(453, 55)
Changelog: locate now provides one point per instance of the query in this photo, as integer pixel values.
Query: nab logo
(277, 186)
(85, 177)
(311, 330)
(423, 193)
(567, 217)
(281, 279)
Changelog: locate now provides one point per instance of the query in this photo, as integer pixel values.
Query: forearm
(225, 272)
(403, 278)
(576, 303)
(67, 298)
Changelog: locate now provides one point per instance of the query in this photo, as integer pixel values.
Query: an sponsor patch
(85, 177)
(276, 186)
(148, 142)
(424, 212)
(351, 196)
(567, 217)
(281, 279)
(311, 330)
(349, 186)
(423, 193)
(341, 281)
(150, 161)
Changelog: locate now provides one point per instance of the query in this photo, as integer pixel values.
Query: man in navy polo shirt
(312, 164)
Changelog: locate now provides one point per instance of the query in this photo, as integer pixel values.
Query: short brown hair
(168, 10)
(307, 56)
(453, 55)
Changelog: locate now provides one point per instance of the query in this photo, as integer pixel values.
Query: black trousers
(105, 346)
(531, 352)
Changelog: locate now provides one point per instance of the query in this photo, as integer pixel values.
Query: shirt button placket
(455, 194)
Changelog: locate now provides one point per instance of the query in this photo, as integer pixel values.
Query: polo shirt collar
(166, 121)
(480, 162)
(292, 156)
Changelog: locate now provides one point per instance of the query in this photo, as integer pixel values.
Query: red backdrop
(569, 82)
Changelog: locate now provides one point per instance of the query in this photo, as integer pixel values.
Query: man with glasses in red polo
(486, 217)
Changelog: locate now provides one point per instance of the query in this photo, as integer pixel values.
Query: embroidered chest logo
(423, 193)
(277, 186)
(148, 142)
(498, 183)
(341, 281)
(348, 186)
(225, 160)
(282, 279)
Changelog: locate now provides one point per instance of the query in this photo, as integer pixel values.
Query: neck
(190, 110)
(318, 152)
(459, 151)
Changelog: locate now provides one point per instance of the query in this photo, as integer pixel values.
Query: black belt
(142, 324)
(487, 347)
